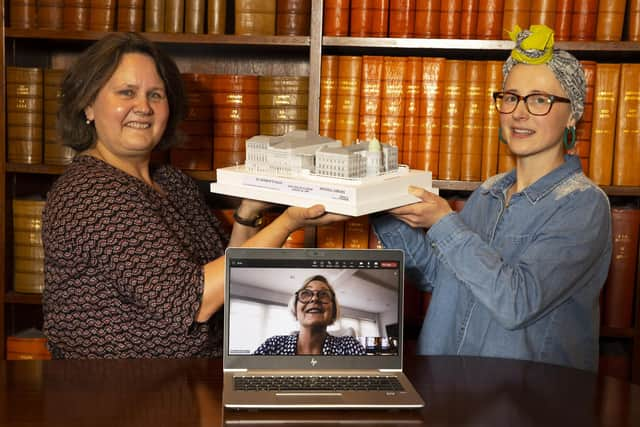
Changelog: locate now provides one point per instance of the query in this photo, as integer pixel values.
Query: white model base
(347, 197)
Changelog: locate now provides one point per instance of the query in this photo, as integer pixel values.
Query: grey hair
(319, 278)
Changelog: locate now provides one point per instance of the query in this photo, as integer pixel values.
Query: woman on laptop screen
(315, 308)
(518, 272)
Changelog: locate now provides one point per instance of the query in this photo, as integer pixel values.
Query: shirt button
(433, 245)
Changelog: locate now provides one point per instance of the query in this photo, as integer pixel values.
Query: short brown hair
(94, 67)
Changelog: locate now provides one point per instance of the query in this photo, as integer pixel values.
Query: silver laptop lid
(261, 282)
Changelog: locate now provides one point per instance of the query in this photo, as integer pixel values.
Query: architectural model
(303, 169)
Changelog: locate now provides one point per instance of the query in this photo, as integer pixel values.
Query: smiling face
(314, 313)
(529, 135)
(131, 110)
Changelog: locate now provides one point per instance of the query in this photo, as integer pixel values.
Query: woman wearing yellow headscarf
(517, 273)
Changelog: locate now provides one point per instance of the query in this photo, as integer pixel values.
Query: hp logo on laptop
(313, 362)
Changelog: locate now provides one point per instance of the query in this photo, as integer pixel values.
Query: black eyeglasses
(306, 295)
(538, 104)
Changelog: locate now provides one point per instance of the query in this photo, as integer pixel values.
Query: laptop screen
(351, 297)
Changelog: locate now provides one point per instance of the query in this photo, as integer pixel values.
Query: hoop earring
(565, 136)
(500, 138)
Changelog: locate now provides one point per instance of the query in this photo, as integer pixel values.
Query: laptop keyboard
(317, 383)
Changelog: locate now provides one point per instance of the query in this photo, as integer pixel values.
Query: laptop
(360, 363)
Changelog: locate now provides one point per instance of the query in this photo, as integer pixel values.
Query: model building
(302, 153)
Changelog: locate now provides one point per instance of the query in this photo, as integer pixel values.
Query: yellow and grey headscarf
(535, 46)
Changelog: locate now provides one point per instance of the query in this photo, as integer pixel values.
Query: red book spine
(618, 290)
(564, 18)
(427, 22)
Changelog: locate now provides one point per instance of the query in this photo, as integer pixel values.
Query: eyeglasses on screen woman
(538, 104)
(306, 295)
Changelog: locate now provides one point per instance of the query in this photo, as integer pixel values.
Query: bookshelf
(257, 55)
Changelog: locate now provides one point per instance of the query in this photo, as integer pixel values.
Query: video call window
(259, 297)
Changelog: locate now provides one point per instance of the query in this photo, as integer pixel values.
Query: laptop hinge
(236, 370)
(389, 370)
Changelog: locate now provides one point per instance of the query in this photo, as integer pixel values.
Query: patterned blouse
(124, 265)
(285, 345)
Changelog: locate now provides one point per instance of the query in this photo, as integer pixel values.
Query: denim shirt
(520, 281)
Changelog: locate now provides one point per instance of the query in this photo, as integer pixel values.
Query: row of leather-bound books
(484, 20)
(240, 17)
(224, 110)
(440, 113)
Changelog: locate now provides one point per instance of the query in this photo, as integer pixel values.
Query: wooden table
(458, 391)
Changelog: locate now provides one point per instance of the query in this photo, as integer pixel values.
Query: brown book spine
(543, 12)
(102, 15)
(75, 15)
(490, 13)
(603, 126)
(490, 121)
(402, 18)
(633, 21)
(474, 99)
(427, 23)
(330, 235)
(627, 148)
(356, 232)
(348, 98)
(450, 19)
(328, 95)
(392, 100)
(24, 103)
(255, 17)
(235, 113)
(610, 20)
(378, 18)
(216, 16)
(452, 126)
(293, 17)
(370, 98)
(27, 346)
(515, 12)
(430, 115)
(620, 284)
(584, 127)
(196, 151)
(583, 23)
(23, 14)
(130, 15)
(411, 127)
(174, 16)
(469, 19)
(50, 14)
(28, 253)
(564, 19)
(154, 16)
(194, 16)
(335, 22)
(359, 18)
(283, 102)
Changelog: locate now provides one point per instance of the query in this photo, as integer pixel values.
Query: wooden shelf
(178, 38)
(465, 45)
(606, 331)
(12, 297)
